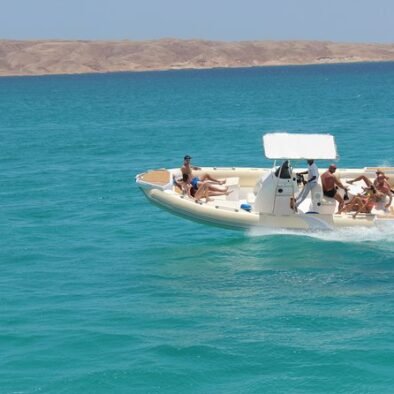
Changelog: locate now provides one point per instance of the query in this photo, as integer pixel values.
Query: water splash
(382, 233)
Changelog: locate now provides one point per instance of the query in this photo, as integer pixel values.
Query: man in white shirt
(313, 177)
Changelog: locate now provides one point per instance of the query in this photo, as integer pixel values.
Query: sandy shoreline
(18, 58)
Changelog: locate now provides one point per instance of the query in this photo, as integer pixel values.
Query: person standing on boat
(330, 184)
(313, 177)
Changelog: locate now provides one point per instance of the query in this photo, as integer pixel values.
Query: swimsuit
(370, 204)
(194, 182)
(330, 193)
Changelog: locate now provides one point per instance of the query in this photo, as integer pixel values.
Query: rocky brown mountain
(72, 57)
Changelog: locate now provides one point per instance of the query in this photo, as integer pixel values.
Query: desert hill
(71, 57)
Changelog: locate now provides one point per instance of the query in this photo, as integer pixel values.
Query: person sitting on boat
(330, 185)
(383, 187)
(197, 180)
(381, 184)
(182, 183)
(380, 173)
(313, 176)
(203, 191)
(379, 176)
(363, 203)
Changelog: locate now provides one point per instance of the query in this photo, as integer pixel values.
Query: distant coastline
(78, 57)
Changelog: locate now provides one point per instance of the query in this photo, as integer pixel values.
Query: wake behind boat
(265, 197)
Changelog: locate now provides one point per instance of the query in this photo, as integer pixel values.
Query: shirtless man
(195, 181)
(380, 184)
(329, 182)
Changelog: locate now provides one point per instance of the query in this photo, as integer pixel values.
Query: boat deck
(157, 177)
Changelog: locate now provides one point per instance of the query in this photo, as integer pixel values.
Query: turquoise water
(102, 292)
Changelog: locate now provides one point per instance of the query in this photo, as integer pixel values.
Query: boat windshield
(284, 170)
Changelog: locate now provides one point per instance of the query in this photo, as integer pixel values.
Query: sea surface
(101, 292)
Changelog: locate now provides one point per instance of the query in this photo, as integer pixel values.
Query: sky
(224, 20)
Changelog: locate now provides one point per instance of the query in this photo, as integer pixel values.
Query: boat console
(274, 191)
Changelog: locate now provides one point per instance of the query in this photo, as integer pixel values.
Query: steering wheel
(300, 179)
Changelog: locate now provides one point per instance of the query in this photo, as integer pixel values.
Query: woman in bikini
(202, 191)
(363, 203)
(381, 185)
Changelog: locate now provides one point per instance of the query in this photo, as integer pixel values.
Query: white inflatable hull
(228, 214)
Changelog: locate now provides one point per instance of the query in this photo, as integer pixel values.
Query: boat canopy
(299, 146)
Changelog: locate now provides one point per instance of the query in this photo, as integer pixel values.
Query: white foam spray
(382, 233)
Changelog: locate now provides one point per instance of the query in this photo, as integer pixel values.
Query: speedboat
(263, 197)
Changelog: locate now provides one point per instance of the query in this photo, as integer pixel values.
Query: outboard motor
(275, 190)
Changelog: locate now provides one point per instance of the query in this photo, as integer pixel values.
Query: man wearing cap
(187, 167)
(330, 183)
(196, 181)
